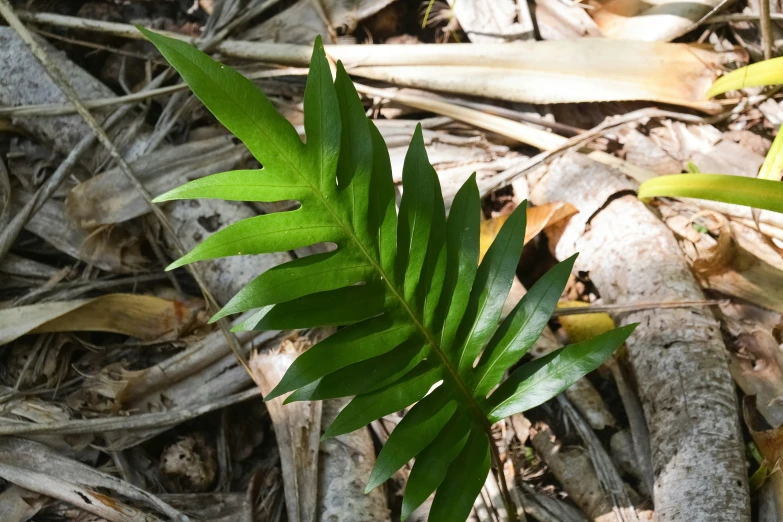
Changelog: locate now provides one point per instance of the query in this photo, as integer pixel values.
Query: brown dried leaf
(146, 317)
(538, 218)
(769, 441)
(740, 264)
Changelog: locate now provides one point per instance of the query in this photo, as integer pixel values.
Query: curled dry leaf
(739, 263)
(769, 441)
(493, 21)
(662, 20)
(306, 19)
(756, 364)
(110, 248)
(298, 430)
(317, 487)
(190, 463)
(538, 218)
(146, 317)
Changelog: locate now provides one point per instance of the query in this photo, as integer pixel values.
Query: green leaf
(493, 281)
(751, 192)
(538, 381)
(299, 277)
(265, 234)
(432, 464)
(773, 164)
(352, 344)
(462, 246)
(464, 479)
(768, 72)
(416, 214)
(382, 218)
(522, 328)
(416, 310)
(415, 431)
(237, 104)
(333, 308)
(367, 407)
(239, 185)
(365, 376)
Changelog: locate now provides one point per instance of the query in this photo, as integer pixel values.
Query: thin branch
(498, 465)
(59, 109)
(143, 421)
(619, 308)
(741, 17)
(766, 28)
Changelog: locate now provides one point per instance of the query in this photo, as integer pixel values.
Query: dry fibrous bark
(37, 467)
(677, 355)
(573, 470)
(322, 478)
(344, 466)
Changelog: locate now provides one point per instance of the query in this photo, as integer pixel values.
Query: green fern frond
(419, 315)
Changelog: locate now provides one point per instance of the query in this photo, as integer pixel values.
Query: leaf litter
(108, 364)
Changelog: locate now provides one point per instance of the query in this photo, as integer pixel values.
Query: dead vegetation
(118, 402)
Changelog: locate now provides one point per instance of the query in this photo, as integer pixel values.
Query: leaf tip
(374, 481)
(274, 394)
(176, 264)
(630, 327)
(418, 135)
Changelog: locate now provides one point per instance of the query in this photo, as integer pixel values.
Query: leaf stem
(511, 509)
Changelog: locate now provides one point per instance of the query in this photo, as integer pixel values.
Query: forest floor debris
(119, 402)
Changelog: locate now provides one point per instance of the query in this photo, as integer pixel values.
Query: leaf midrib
(468, 397)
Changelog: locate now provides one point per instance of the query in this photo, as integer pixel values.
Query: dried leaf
(769, 441)
(555, 71)
(741, 264)
(661, 21)
(111, 249)
(538, 218)
(306, 19)
(581, 327)
(493, 21)
(110, 198)
(146, 317)
(757, 367)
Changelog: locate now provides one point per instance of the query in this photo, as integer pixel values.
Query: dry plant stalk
(555, 71)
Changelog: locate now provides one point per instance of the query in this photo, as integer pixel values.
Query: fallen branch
(678, 355)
